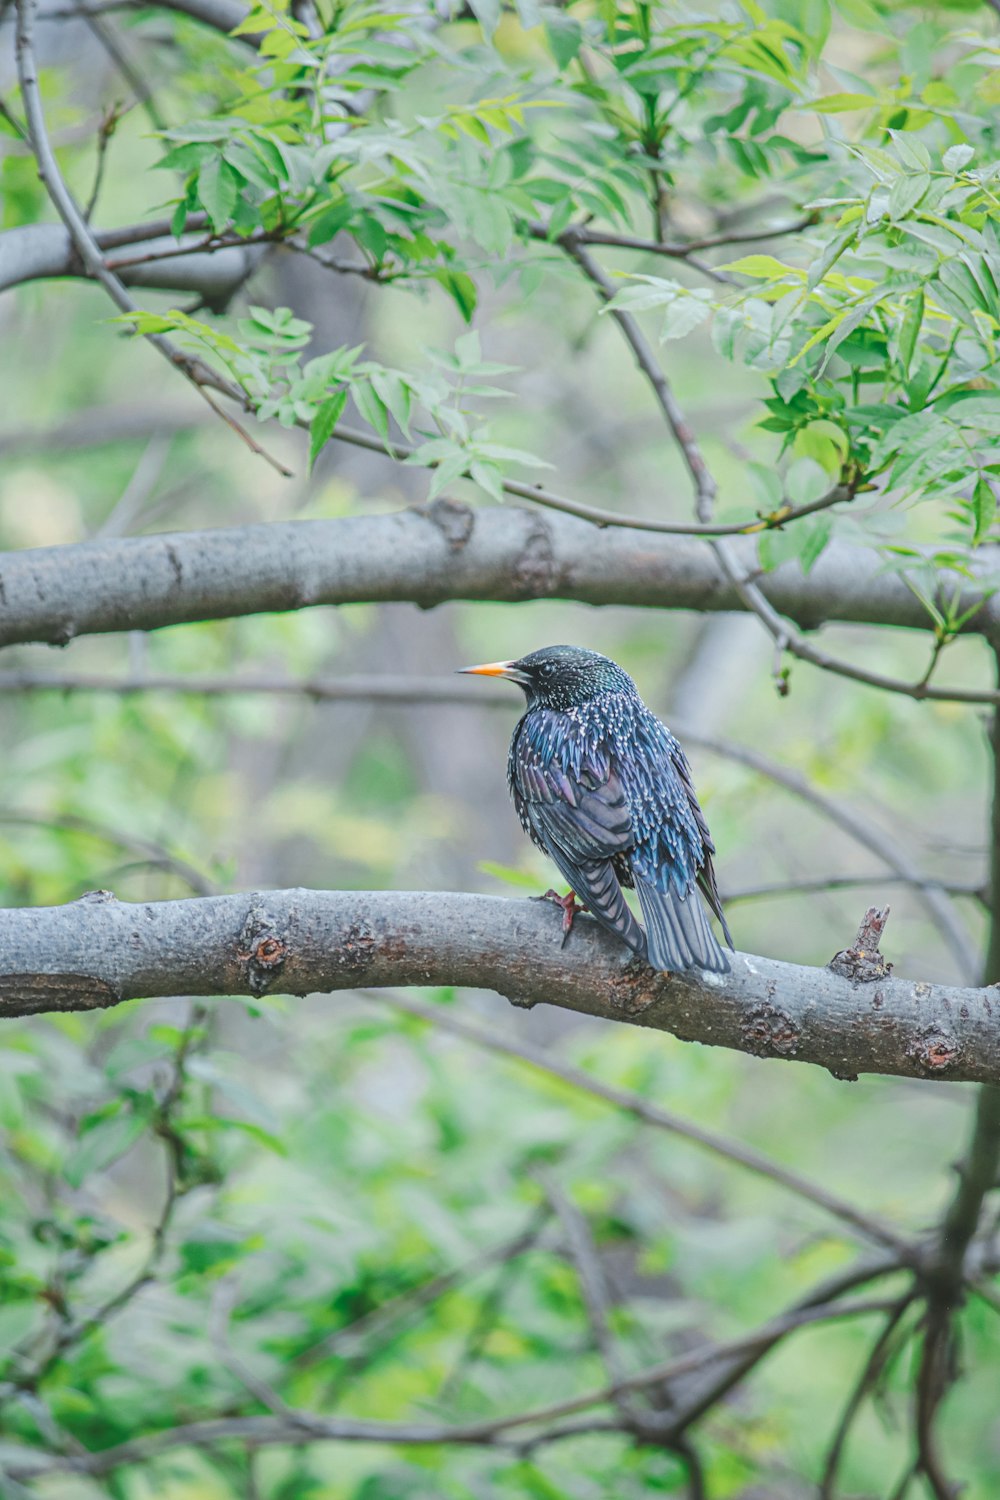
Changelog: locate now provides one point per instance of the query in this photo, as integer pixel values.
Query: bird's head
(560, 677)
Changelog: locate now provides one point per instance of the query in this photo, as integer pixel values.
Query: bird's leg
(570, 907)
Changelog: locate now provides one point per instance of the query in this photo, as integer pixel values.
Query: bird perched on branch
(605, 790)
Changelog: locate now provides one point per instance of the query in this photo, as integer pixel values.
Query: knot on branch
(635, 988)
(261, 949)
(769, 1031)
(453, 518)
(535, 573)
(934, 1050)
(863, 962)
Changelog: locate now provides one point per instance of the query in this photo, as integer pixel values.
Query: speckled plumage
(605, 790)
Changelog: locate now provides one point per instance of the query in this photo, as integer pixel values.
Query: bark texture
(98, 951)
(424, 556)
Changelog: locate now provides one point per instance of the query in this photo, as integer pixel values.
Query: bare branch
(424, 556)
(672, 249)
(97, 951)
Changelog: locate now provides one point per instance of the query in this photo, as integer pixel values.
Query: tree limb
(96, 952)
(423, 556)
(37, 252)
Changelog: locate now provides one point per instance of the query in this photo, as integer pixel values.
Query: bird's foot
(570, 908)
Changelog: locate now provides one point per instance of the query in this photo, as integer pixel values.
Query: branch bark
(37, 252)
(423, 556)
(96, 952)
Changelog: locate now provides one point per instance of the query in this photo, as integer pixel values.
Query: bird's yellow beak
(493, 669)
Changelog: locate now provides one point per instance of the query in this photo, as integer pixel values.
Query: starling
(605, 790)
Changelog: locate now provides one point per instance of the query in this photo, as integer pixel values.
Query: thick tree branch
(98, 951)
(37, 252)
(424, 556)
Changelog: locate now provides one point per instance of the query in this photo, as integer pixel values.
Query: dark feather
(678, 935)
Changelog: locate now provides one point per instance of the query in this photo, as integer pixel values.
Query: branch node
(453, 518)
(769, 1031)
(863, 963)
(261, 949)
(934, 1049)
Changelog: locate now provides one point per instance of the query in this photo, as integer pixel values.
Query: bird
(603, 788)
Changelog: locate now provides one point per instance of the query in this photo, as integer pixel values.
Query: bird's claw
(570, 907)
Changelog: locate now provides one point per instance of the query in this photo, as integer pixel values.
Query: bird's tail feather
(678, 933)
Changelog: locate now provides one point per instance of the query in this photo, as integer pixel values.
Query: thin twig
(224, 1298)
(193, 368)
(73, 1331)
(946, 1274)
(673, 249)
(105, 33)
(302, 1426)
(148, 848)
(490, 1306)
(800, 887)
(870, 1374)
(859, 828)
(869, 1227)
(701, 478)
(593, 1286)
(343, 1342)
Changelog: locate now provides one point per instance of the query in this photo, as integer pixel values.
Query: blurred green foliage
(196, 1199)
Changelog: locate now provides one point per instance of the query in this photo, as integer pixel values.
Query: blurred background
(325, 1157)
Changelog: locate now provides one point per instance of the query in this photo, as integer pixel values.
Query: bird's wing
(706, 874)
(673, 852)
(582, 819)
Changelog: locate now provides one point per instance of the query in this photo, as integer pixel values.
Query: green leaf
(218, 188)
(984, 509)
(564, 37)
(323, 423)
(393, 391)
(335, 217)
(682, 315)
(461, 288)
(104, 1144)
(831, 254)
(912, 150)
(835, 104)
(487, 13)
(806, 481)
(957, 157)
(910, 331)
(765, 267)
(906, 193)
(179, 219)
(817, 533)
(371, 407)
